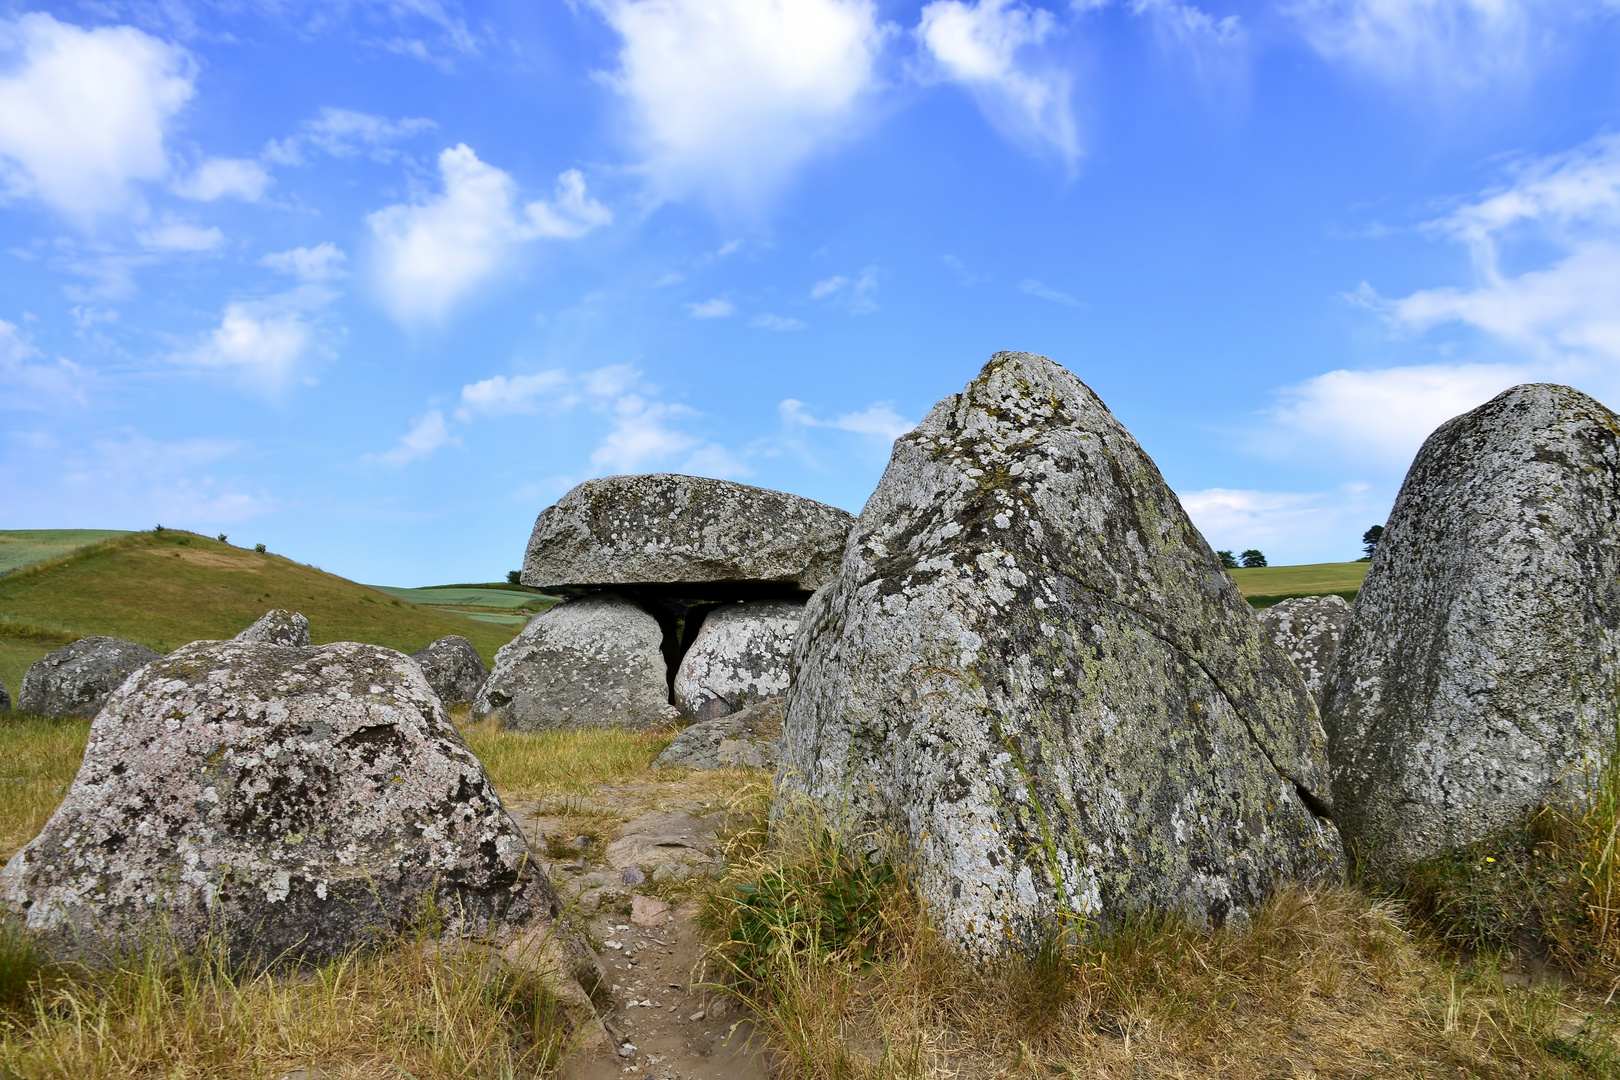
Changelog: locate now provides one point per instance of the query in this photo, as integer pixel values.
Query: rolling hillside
(1265, 585)
(166, 589)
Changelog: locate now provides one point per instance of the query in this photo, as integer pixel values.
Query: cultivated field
(1265, 585)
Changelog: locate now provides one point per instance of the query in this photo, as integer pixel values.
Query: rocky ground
(628, 859)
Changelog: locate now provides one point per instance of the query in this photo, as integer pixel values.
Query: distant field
(488, 603)
(1265, 585)
(166, 589)
(21, 547)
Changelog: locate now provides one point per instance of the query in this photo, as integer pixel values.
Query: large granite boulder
(5, 699)
(77, 679)
(453, 668)
(592, 662)
(749, 736)
(666, 529)
(739, 656)
(300, 800)
(1307, 629)
(1033, 672)
(278, 627)
(1479, 676)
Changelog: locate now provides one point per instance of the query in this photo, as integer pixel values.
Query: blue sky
(373, 283)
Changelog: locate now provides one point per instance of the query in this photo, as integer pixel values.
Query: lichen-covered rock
(77, 679)
(596, 661)
(1307, 629)
(278, 627)
(740, 656)
(299, 800)
(1033, 672)
(667, 529)
(5, 699)
(453, 668)
(1479, 674)
(749, 736)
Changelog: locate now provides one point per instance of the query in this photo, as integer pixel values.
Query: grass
(38, 760)
(559, 764)
(505, 606)
(1265, 585)
(166, 589)
(419, 1009)
(21, 547)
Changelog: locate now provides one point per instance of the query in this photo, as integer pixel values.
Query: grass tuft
(559, 764)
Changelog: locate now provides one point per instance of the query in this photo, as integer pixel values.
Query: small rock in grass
(278, 627)
(453, 668)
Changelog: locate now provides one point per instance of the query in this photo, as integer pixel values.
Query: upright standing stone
(300, 801)
(595, 662)
(278, 627)
(666, 529)
(453, 668)
(77, 679)
(1034, 672)
(1480, 674)
(740, 656)
(1307, 629)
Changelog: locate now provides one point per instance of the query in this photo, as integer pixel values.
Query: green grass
(38, 761)
(1265, 585)
(556, 764)
(166, 589)
(487, 603)
(21, 547)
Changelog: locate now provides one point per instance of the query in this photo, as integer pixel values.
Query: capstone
(77, 679)
(739, 656)
(1307, 629)
(1479, 675)
(299, 801)
(593, 662)
(1034, 674)
(665, 529)
(278, 627)
(453, 668)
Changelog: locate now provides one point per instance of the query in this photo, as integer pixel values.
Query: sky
(373, 282)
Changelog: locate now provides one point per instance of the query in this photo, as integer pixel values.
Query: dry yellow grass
(38, 760)
(558, 764)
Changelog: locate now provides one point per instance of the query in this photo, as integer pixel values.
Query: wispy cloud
(1285, 525)
(31, 383)
(854, 295)
(1046, 292)
(879, 420)
(345, 133)
(428, 434)
(220, 178)
(778, 323)
(715, 308)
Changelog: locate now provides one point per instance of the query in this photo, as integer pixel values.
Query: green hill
(166, 589)
(488, 603)
(1265, 585)
(22, 547)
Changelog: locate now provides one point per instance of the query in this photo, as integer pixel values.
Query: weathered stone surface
(5, 699)
(1033, 672)
(740, 656)
(278, 627)
(77, 679)
(299, 799)
(667, 529)
(666, 846)
(453, 668)
(1307, 629)
(1478, 676)
(749, 736)
(592, 662)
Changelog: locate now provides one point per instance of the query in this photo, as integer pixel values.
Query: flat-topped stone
(663, 529)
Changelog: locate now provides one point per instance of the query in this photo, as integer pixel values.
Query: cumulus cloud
(1565, 211)
(427, 435)
(716, 308)
(220, 178)
(180, 236)
(989, 46)
(263, 342)
(432, 253)
(1376, 420)
(84, 113)
(728, 97)
(504, 395)
(1288, 526)
(323, 262)
(1444, 44)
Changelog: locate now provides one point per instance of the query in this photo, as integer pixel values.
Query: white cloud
(323, 262)
(986, 46)
(218, 178)
(1214, 47)
(1444, 44)
(775, 322)
(728, 97)
(258, 340)
(28, 384)
(1376, 420)
(716, 308)
(346, 133)
(879, 420)
(130, 476)
(1046, 292)
(504, 395)
(433, 253)
(1287, 526)
(83, 113)
(179, 236)
(852, 294)
(428, 434)
(1564, 310)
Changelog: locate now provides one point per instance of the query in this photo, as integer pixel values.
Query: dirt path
(620, 857)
